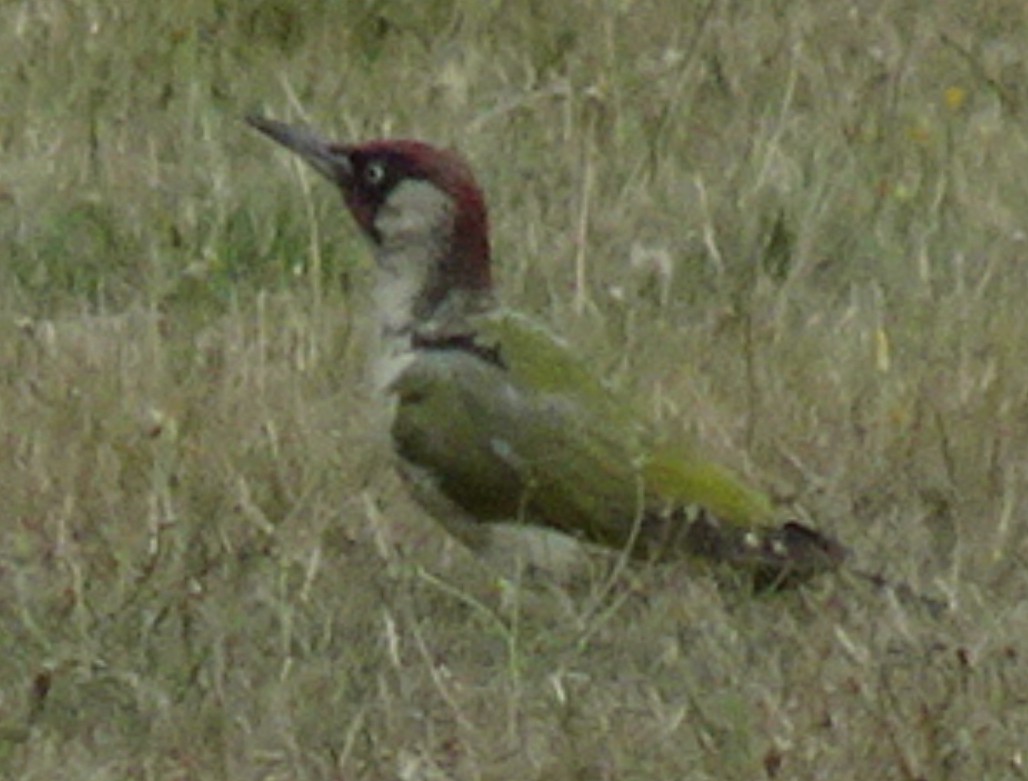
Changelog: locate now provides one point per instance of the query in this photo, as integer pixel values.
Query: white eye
(375, 172)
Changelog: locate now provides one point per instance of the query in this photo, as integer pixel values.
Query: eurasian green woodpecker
(497, 421)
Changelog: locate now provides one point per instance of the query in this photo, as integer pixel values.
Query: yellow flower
(954, 98)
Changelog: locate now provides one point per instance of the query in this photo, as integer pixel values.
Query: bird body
(496, 420)
(516, 427)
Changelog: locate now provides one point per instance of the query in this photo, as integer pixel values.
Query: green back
(536, 436)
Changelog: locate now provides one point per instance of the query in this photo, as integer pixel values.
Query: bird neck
(412, 300)
(432, 253)
(414, 308)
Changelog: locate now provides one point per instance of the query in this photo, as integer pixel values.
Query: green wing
(527, 435)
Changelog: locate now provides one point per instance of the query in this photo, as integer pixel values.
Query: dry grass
(798, 229)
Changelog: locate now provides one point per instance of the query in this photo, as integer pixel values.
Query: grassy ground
(796, 229)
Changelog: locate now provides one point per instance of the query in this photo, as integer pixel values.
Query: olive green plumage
(512, 427)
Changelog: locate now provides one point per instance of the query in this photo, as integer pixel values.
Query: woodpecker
(495, 420)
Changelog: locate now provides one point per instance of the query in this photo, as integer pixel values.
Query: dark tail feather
(786, 555)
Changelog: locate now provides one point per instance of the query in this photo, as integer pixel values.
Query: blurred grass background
(797, 230)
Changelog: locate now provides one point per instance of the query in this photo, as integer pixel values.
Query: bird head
(420, 207)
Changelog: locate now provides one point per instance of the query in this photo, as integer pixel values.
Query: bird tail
(716, 516)
(776, 556)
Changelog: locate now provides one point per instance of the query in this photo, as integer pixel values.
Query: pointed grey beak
(329, 159)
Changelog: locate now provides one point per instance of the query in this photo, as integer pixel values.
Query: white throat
(395, 297)
(415, 225)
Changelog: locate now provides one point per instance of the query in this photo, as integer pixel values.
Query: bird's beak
(329, 159)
